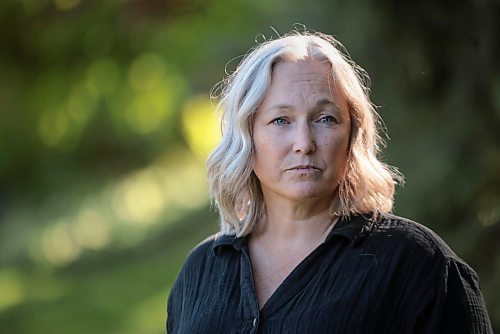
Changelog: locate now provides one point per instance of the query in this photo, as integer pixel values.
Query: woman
(307, 243)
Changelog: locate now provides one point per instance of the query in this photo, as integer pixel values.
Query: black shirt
(371, 275)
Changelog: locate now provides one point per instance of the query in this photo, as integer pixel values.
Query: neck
(296, 222)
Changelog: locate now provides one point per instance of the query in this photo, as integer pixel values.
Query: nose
(304, 141)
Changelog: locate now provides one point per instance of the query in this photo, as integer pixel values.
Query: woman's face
(301, 134)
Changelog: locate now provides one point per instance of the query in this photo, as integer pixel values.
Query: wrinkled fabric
(373, 274)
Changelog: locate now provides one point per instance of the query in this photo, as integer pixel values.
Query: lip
(304, 168)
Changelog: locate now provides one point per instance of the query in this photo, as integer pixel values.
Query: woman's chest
(312, 298)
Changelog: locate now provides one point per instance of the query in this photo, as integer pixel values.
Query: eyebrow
(326, 101)
(319, 103)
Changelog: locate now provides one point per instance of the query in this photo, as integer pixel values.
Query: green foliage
(102, 104)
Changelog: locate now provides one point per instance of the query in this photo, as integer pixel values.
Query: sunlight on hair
(200, 126)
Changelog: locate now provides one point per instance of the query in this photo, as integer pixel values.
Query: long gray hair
(368, 184)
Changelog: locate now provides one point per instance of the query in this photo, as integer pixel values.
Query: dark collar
(354, 227)
(223, 241)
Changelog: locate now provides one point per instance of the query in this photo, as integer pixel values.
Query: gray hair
(367, 185)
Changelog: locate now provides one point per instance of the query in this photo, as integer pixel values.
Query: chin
(308, 193)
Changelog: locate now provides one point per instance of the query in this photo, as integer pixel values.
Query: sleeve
(459, 305)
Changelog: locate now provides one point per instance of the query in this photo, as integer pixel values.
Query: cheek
(261, 154)
(338, 151)
(337, 143)
(266, 145)
(260, 149)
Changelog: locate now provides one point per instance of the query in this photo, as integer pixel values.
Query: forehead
(303, 81)
(308, 70)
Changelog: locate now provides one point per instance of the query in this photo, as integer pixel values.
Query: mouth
(305, 168)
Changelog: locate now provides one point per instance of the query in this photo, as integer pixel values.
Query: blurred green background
(106, 120)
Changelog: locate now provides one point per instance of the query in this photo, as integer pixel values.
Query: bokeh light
(200, 125)
(106, 123)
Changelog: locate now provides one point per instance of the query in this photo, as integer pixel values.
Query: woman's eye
(279, 121)
(327, 119)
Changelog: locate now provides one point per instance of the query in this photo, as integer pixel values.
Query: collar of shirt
(354, 227)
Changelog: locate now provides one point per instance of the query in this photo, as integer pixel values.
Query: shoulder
(434, 282)
(187, 279)
(195, 259)
(205, 255)
(421, 246)
(200, 253)
(197, 272)
(412, 236)
(204, 247)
